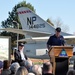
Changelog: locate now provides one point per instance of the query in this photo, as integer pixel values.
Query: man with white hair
(28, 64)
(14, 67)
(37, 70)
(31, 74)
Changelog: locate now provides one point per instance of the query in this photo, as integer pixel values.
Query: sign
(4, 48)
(63, 53)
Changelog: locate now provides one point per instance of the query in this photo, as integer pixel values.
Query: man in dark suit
(19, 56)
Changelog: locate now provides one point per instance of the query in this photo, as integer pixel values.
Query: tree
(49, 21)
(58, 23)
(13, 15)
(8, 23)
(65, 28)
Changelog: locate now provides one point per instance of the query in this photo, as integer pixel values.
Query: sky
(53, 9)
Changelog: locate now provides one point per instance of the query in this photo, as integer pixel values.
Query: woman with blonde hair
(22, 71)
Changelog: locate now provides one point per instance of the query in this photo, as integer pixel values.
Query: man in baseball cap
(58, 29)
(21, 44)
(19, 56)
(56, 39)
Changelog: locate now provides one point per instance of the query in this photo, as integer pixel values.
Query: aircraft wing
(28, 32)
(69, 39)
(34, 39)
(31, 32)
(19, 31)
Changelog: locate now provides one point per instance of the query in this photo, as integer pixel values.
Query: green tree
(13, 16)
(49, 21)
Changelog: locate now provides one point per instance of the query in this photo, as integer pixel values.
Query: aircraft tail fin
(30, 21)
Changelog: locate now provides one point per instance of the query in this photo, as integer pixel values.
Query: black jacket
(17, 57)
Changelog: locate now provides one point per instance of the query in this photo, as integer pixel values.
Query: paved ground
(39, 60)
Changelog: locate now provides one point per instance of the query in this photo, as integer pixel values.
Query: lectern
(59, 56)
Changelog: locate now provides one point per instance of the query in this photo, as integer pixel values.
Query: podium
(59, 57)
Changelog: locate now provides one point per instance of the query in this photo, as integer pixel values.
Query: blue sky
(63, 9)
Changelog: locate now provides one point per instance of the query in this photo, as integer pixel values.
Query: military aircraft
(36, 31)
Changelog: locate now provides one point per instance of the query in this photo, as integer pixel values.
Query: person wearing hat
(56, 39)
(19, 56)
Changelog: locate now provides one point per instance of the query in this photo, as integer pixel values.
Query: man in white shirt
(19, 56)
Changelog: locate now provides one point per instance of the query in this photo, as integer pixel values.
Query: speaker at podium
(59, 56)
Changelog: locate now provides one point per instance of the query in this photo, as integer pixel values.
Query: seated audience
(14, 67)
(22, 71)
(71, 72)
(36, 69)
(6, 70)
(30, 74)
(47, 68)
(72, 60)
(1, 66)
(28, 64)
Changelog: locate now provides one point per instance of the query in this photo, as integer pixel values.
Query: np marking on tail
(31, 20)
